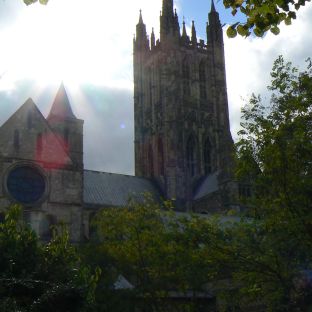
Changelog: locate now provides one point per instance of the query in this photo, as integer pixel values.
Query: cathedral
(183, 144)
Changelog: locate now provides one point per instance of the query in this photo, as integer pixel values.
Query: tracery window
(191, 155)
(207, 157)
(26, 184)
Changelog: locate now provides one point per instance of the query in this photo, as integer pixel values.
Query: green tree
(275, 152)
(41, 277)
(155, 249)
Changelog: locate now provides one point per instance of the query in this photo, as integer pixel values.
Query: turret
(141, 41)
(152, 39)
(67, 127)
(169, 24)
(184, 38)
(214, 28)
(194, 37)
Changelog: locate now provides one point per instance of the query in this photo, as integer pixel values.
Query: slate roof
(208, 186)
(110, 189)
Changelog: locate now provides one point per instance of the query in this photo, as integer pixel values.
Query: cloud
(249, 61)
(88, 44)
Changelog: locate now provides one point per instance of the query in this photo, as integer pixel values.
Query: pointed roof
(184, 34)
(140, 17)
(213, 8)
(61, 107)
(194, 37)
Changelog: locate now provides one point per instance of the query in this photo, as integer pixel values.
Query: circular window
(26, 184)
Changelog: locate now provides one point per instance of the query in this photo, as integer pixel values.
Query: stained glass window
(26, 184)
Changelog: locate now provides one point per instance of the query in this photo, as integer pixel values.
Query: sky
(87, 44)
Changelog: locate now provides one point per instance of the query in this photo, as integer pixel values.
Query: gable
(27, 135)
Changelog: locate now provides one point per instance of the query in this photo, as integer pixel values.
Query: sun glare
(70, 41)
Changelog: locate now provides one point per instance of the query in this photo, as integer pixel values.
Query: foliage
(261, 259)
(38, 277)
(262, 16)
(155, 250)
(274, 152)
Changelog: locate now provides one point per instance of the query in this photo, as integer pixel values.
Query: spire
(214, 29)
(184, 34)
(61, 108)
(152, 38)
(213, 8)
(194, 37)
(167, 8)
(140, 18)
(169, 24)
(141, 41)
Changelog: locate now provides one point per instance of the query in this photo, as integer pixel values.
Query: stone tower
(182, 131)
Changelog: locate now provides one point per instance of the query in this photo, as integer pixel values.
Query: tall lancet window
(16, 140)
(39, 145)
(29, 120)
(186, 78)
(202, 80)
(150, 86)
(191, 155)
(161, 157)
(207, 157)
(150, 161)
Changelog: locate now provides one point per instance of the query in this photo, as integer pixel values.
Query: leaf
(242, 30)
(43, 1)
(258, 32)
(231, 32)
(288, 21)
(275, 30)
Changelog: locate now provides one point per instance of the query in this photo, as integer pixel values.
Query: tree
(275, 152)
(262, 16)
(38, 277)
(261, 259)
(157, 251)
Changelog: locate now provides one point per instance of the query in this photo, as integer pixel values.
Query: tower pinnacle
(61, 108)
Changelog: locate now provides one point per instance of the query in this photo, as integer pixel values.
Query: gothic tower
(182, 131)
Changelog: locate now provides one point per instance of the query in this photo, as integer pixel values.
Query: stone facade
(182, 130)
(41, 165)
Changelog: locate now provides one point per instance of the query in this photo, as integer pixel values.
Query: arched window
(151, 161)
(39, 144)
(191, 155)
(16, 140)
(161, 157)
(202, 80)
(207, 156)
(186, 78)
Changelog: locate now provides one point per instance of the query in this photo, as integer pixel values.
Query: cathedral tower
(182, 131)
